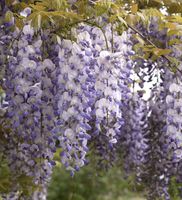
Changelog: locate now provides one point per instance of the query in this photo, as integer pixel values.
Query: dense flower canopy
(84, 98)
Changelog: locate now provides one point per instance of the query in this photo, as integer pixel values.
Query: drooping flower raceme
(73, 104)
(134, 136)
(91, 83)
(28, 93)
(70, 96)
(164, 138)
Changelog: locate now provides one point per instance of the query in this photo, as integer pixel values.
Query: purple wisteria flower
(27, 84)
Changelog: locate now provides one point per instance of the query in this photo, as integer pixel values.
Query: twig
(16, 38)
(112, 40)
(104, 34)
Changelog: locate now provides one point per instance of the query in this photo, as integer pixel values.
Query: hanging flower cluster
(91, 83)
(72, 96)
(78, 97)
(28, 93)
(134, 136)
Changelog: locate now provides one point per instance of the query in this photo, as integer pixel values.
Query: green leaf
(158, 1)
(131, 19)
(173, 60)
(8, 16)
(19, 23)
(160, 52)
(174, 41)
(175, 19)
(141, 41)
(122, 21)
(9, 2)
(175, 7)
(142, 16)
(134, 8)
(174, 32)
(55, 5)
(38, 7)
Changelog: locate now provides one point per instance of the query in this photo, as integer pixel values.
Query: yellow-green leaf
(174, 41)
(122, 20)
(160, 52)
(8, 16)
(134, 8)
(170, 26)
(141, 41)
(38, 7)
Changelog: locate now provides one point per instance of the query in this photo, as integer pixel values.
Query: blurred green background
(87, 184)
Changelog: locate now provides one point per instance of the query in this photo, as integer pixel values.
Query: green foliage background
(89, 185)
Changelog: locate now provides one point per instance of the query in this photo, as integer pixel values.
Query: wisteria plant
(90, 79)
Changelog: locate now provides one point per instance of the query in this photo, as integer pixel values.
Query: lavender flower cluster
(63, 100)
(78, 96)
(26, 84)
(92, 83)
